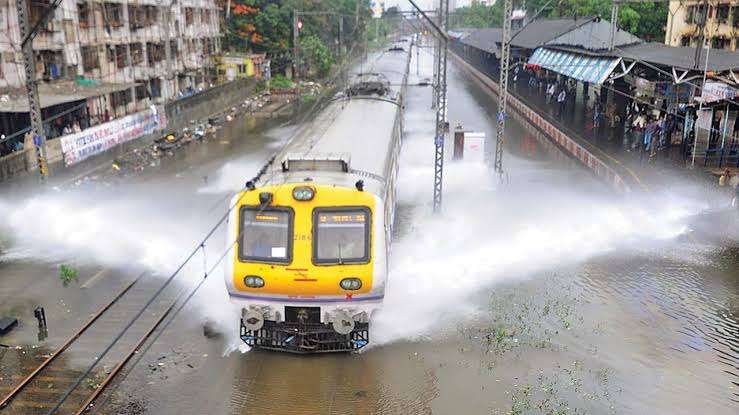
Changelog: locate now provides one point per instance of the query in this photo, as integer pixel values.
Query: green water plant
(68, 274)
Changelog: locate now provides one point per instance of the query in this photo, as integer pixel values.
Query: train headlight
(303, 193)
(253, 281)
(351, 283)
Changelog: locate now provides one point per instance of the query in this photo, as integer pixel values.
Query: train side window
(266, 235)
(341, 235)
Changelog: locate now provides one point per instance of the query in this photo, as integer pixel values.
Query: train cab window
(341, 236)
(265, 235)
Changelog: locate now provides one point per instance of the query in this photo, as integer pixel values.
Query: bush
(280, 82)
(67, 274)
(308, 98)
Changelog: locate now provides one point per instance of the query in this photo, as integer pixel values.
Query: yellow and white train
(309, 266)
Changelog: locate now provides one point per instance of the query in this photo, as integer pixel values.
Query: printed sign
(717, 91)
(95, 140)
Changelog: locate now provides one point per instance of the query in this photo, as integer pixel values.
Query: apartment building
(111, 53)
(686, 19)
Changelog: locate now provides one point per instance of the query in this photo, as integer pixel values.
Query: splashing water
(487, 234)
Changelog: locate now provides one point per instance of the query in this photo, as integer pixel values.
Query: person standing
(596, 119)
(550, 92)
(561, 101)
(725, 178)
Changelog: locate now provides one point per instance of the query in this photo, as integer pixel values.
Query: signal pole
(503, 82)
(295, 44)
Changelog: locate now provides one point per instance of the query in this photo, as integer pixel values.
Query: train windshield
(341, 236)
(265, 235)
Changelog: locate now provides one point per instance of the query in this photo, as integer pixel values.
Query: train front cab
(309, 266)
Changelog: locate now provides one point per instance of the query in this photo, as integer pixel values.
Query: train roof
(352, 137)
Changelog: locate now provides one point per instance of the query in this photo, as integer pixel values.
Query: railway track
(50, 376)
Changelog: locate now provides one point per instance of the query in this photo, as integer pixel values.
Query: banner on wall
(95, 140)
(717, 91)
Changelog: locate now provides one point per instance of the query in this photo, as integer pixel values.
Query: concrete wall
(204, 104)
(179, 115)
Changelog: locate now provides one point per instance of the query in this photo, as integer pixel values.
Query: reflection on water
(678, 315)
(333, 384)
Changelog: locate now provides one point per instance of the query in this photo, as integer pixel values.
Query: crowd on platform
(631, 124)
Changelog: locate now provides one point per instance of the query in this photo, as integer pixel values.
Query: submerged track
(38, 390)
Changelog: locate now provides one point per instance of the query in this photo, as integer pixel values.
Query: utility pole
(435, 78)
(341, 38)
(29, 66)
(167, 53)
(701, 35)
(614, 23)
(503, 102)
(418, 48)
(442, 44)
(295, 45)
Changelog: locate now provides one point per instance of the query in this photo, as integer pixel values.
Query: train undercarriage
(305, 338)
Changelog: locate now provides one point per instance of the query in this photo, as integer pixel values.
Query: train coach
(311, 235)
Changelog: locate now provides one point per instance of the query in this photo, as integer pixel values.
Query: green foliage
(67, 274)
(280, 82)
(479, 15)
(316, 55)
(308, 98)
(646, 20)
(266, 26)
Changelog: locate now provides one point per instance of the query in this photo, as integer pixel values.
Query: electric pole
(29, 65)
(169, 92)
(295, 44)
(614, 23)
(503, 83)
(701, 33)
(442, 44)
(435, 77)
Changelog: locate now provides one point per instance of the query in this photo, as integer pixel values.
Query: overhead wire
(167, 282)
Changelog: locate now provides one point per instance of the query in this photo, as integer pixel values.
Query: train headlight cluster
(253, 281)
(303, 193)
(351, 283)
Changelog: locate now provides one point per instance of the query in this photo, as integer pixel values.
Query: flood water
(543, 292)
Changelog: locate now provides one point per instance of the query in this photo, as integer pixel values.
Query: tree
(645, 20)
(316, 55)
(479, 15)
(267, 26)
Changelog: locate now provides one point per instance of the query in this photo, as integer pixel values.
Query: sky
(425, 4)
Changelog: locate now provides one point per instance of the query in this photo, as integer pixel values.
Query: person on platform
(550, 92)
(561, 101)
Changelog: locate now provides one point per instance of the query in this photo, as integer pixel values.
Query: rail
(22, 395)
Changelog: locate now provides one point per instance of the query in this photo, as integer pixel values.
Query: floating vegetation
(568, 390)
(68, 274)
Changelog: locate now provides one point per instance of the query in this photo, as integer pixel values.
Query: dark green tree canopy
(646, 20)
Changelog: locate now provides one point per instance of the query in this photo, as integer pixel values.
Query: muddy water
(543, 293)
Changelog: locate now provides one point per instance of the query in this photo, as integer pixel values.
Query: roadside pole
(29, 66)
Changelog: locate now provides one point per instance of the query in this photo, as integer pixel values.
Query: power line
(200, 246)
